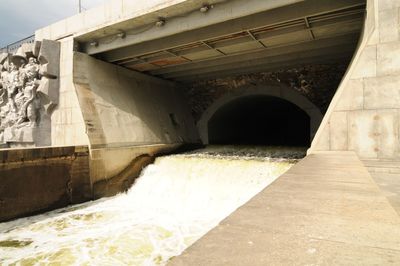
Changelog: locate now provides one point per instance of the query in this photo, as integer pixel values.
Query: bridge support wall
(127, 115)
(364, 115)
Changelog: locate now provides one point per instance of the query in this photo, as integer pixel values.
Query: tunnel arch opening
(260, 120)
(260, 115)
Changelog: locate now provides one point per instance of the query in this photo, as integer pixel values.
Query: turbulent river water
(173, 203)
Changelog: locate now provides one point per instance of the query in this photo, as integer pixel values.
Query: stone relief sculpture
(26, 95)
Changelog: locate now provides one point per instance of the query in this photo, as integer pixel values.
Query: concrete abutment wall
(364, 115)
(127, 115)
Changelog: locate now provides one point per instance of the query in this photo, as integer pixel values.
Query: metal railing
(12, 48)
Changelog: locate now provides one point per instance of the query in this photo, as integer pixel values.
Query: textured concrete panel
(388, 58)
(364, 133)
(323, 142)
(73, 132)
(59, 28)
(374, 38)
(373, 131)
(382, 92)
(389, 137)
(353, 97)
(388, 4)
(388, 28)
(127, 115)
(338, 131)
(139, 106)
(366, 64)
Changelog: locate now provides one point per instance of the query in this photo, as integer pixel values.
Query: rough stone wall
(317, 82)
(364, 115)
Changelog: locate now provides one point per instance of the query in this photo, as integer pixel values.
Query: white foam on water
(175, 201)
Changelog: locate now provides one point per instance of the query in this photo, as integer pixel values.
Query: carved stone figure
(21, 96)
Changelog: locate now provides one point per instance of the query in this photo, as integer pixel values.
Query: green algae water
(172, 204)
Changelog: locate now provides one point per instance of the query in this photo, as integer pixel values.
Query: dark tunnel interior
(260, 120)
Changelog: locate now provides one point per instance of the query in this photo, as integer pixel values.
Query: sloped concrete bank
(326, 210)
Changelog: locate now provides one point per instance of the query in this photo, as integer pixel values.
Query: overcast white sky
(20, 18)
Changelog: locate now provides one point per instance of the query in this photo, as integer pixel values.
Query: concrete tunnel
(229, 42)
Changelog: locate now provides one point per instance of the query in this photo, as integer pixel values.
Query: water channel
(172, 204)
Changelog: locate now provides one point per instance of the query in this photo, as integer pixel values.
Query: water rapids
(172, 204)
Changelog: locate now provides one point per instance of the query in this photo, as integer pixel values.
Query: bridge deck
(326, 210)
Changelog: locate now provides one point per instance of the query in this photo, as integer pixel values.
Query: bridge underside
(236, 38)
(306, 32)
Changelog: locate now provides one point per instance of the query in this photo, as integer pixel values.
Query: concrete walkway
(326, 210)
(387, 175)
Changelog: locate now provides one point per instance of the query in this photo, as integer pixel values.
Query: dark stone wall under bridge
(317, 82)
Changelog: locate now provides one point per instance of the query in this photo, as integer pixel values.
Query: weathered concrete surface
(129, 16)
(386, 174)
(364, 114)
(123, 108)
(127, 115)
(67, 124)
(113, 170)
(326, 210)
(40, 179)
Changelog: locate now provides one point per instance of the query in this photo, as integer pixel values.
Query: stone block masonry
(317, 82)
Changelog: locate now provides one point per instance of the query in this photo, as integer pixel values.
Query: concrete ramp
(326, 210)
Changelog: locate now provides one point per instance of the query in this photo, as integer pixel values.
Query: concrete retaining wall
(36, 180)
(39, 179)
(364, 115)
(126, 118)
(122, 108)
(128, 115)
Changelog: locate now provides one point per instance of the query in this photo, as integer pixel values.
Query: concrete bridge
(124, 82)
